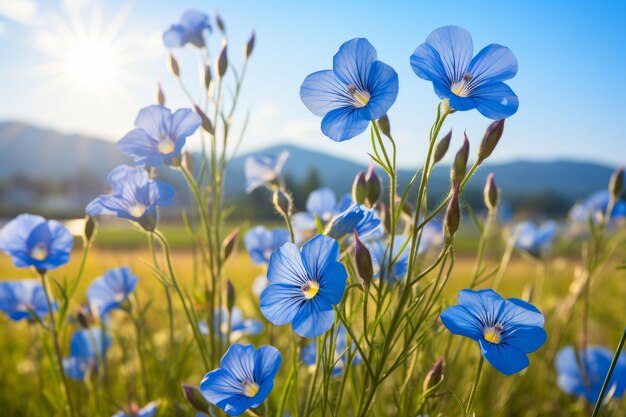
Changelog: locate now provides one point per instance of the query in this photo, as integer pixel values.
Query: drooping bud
(374, 187)
(220, 23)
(207, 77)
(460, 162)
(230, 295)
(384, 126)
(491, 194)
(453, 215)
(229, 243)
(222, 62)
(616, 183)
(195, 398)
(90, 229)
(490, 139)
(434, 376)
(359, 188)
(442, 147)
(283, 203)
(385, 216)
(160, 97)
(172, 64)
(247, 50)
(363, 262)
(206, 122)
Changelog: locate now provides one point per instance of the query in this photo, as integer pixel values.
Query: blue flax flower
(358, 89)
(468, 83)
(506, 330)
(34, 241)
(109, 291)
(263, 169)
(535, 240)
(190, 30)
(159, 135)
(19, 298)
(239, 325)
(261, 243)
(87, 349)
(303, 286)
(595, 206)
(380, 257)
(134, 197)
(323, 204)
(149, 410)
(356, 217)
(342, 352)
(432, 236)
(244, 380)
(588, 382)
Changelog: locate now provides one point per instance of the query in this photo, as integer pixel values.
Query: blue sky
(570, 82)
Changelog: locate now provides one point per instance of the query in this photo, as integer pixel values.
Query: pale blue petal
(281, 302)
(314, 318)
(322, 92)
(344, 123)
(493, 63)
(383, 88)
(352, 62)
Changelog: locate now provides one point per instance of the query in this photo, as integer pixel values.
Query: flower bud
(206, 122)
(374, 187)
(220, 23)
(247, 51)
(172, 64)
(207, 77)
(453, 215)
(160, 97)
(195, 398)
(359, 188)
(407, 207)
(363, 262)
(490, 139)
(187, 161)
(460, 163)
(229, 243)
(616, 183)
(384, 126)
(230, 295)
(385, 216)
(442, 147)
(83, 317)
(90, 229)
(434, 376)
(491, 194)
(222, 62)
(283, 203)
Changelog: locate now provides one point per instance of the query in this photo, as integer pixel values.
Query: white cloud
(302, 129)
(23, 11)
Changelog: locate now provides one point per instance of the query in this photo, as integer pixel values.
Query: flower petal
(281, 302)
(455, 48)
(495, 100)
(527, 339)
(344, 123)
(352, 62)
(382, 84)
(322, 202)
(183, 124)
(492, 64)
(522, 314)
(286, 266)
(482, 304)
(333, 283)
(322, 92)
(314, 318)
(317, 254)
(505, 358)
(426, 64)
(459, 320)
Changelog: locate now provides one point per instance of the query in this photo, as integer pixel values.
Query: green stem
(605, 385)
(474, 389)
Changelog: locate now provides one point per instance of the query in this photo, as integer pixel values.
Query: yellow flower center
(359, 98)
(166, 145)
(39, 252)
(310, 289)
(137, 210)
(461, 88)
(493, 334)
(250, 389)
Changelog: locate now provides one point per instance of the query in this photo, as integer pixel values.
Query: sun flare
(91, 64)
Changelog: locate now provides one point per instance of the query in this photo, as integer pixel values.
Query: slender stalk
(474, 388)
(605, 385)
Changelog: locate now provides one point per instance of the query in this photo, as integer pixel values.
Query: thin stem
(474, 389)
(605, 385)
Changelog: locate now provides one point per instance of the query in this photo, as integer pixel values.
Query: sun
(91, 64)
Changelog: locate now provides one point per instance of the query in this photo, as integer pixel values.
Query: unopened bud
(616, 183)
(172, 64)
(160, 97)
(206, 122)
(434, 376)
(282, 203)
(407, 207)
(207, 77)
(384, 126)
(491, 194)
(222, 62)
(90, 229)
(363, 262)
(230, 295)
(385, 216)
(374, 187)
(460, 163)
(453, 215)
(220, 23)
(83, 317)
(359, 188)
(247, 51)
(442, 147)
(490, 139)
(229, 243)
(195, 398)
(187, 161)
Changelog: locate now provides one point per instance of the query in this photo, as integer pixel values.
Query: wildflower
(356, 217)
(134, 197)
(261, 243)
(87, 348)
(189, 30)
(467, 83)
(506, 330)
(535, 240)
(239, 325)
(342, 352)
(588, 382)
(432, 236)
(159, 135)
(111, 290)
(595, 206)
(31, 240)
(263, 169)
(358, 89)
(149, 410)
(321, 203)
(21, 297)
(244, 380)
(303, 286)
(380, 258)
